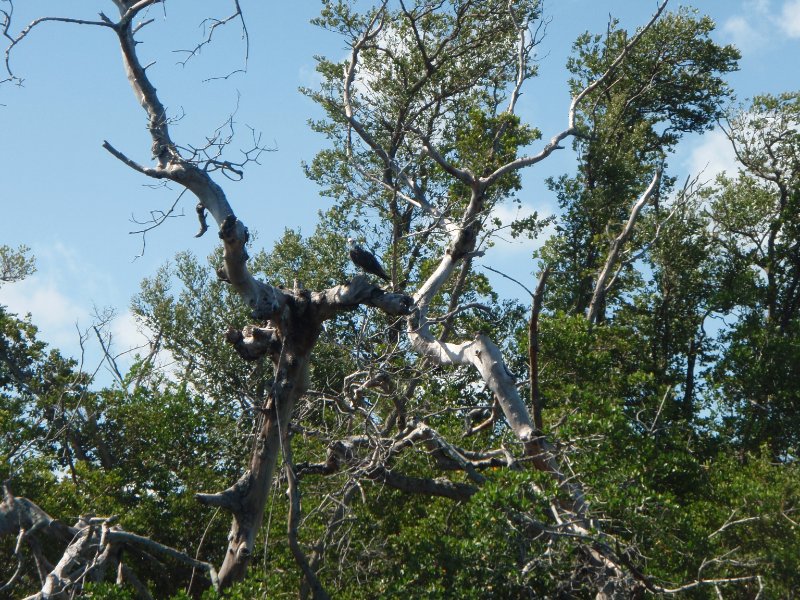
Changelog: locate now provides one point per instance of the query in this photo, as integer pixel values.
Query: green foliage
(671, 84)
(107, 591)
(487, 142)
(440, 71)
(15, 264)
(141, 452)
(756, 215)
(682, 433)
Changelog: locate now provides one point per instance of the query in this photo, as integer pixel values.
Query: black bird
(365, 260)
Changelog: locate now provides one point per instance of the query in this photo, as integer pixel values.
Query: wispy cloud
(51, 308)
(758, 22)
(712, 156)
(790, 18)
(129, 338)
(309, 77)
(127, 333)
(61, 296)
(747, 34)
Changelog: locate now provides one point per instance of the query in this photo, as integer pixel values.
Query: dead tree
(289, 323)
(462, 232)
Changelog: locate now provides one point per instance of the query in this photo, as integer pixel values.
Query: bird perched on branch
(365, 260)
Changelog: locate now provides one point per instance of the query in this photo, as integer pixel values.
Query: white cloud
(790, 18)
(61, 320)
(52, 311)
(130, 338)
(759, 6)
(309, 77)
(758, 22)
(712, 156)
(60, 297)
(127, 334)
(745, 32)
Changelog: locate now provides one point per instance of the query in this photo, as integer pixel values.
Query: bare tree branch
(555, 142)
(533, 349)
(293, 520)
(212, 24)
(600, 287)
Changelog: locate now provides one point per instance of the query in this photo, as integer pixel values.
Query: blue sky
(69, 200)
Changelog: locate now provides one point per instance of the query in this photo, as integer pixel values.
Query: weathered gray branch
(600, 287)
(358, 292)
(342, 453)
(439, 486)
(117, 536)
(293, 522)
(90, 544)
(533, 349)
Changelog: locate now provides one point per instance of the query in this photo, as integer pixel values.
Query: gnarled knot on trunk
(228, 231)
(252, 342)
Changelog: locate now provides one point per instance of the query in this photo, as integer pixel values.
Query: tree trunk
(533, 350)
(252, 490)
(687, 407)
